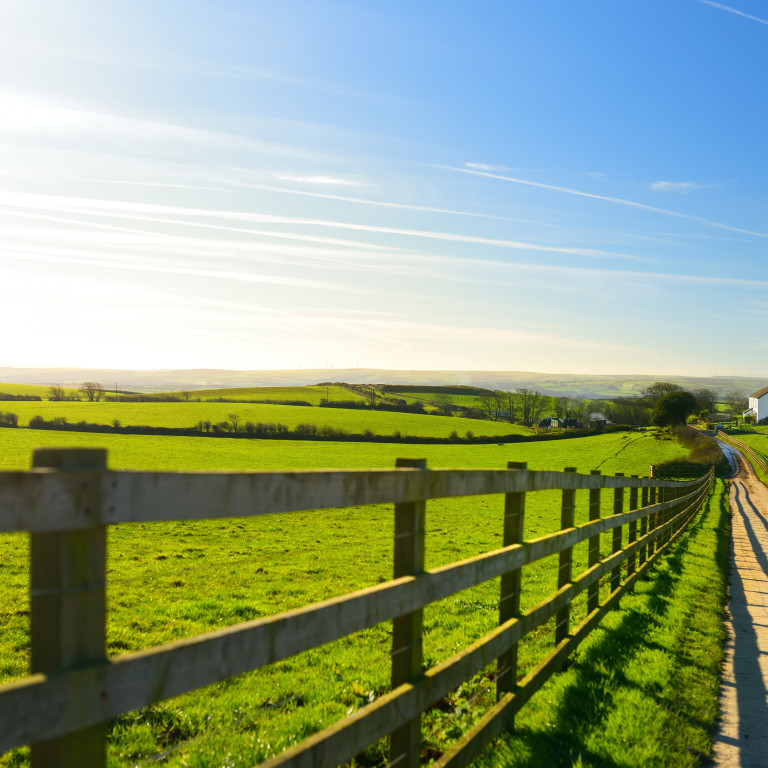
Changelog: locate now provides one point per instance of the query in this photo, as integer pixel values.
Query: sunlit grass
(172, 580)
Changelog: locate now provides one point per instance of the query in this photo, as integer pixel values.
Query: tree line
(661, 403)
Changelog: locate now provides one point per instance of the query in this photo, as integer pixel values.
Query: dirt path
(742, 738)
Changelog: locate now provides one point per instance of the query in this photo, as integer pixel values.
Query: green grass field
(30, 389)
(312, 395)
(186, 415)
(168, 581)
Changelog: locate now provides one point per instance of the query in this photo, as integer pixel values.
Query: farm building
(758, 405)
(557, 422)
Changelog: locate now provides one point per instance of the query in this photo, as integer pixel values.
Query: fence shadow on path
(750, 688)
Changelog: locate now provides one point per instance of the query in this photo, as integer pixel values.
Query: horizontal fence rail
(67, 501)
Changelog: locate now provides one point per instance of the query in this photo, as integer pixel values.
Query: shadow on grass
(600, 669)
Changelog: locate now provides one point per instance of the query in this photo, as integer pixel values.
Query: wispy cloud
(29, 121)
(387, 204)
(733, 10)
(678, 186)
(329, 180)
(60, 256)
(606, 198)
(486, 167)
(162, 214)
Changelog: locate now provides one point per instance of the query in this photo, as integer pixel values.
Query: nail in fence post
(593, 591)
(68, 606)
(618, 508)
(632, 537)
(565, 559)
(643, 523)
(407, 656)
(509, 604)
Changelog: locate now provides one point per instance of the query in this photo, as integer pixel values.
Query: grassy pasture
(186, 415)
(468, 401)
(168, 581)
(757, 440)
(29, 389)
(313, 394)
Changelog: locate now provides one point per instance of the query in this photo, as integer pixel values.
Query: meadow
(187, 414)
(168, 581)
(312, 394)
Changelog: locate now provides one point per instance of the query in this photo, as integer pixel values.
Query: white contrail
(607, 198)
(387, 204)
(733, 10)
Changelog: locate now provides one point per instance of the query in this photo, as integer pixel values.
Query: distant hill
(573, 385)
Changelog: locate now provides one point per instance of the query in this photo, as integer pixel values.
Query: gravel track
(742, 737)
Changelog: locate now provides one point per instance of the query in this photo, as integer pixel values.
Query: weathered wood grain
(42, 500)
(68, 610)
(509, 600)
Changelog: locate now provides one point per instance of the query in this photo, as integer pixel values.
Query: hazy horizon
(550, 187)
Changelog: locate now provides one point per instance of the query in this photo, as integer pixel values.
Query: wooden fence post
(407, 655)
(632, 537)
(618, 508)
(653, 519)
(643, 524)
(68, 606)
(509, 603)
(565, 560)
(593, 591)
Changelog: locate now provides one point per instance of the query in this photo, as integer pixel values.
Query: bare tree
(563, 407)
(736, 400)
(530, 405)
(234, 421)
(579, 410)
(630, 410)
(486, 402)
(55, 392)
(185, 395)
(91, 390)
(443, 401)
(509, 403)
(370, 394)
(706, 399)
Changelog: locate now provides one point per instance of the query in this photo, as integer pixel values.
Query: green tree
(673, 408)
(658, 389)
(55, 392)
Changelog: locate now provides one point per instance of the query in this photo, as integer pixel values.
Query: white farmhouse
(758, 405)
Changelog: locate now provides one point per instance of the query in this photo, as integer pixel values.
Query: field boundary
(748, 451)
(69, 498)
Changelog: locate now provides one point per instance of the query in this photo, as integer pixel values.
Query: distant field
(168, 581)
(312, 395)
(468, 401)
(186, 415)
(30, 389)
(627, 452)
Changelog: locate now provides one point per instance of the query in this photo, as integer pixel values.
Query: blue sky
(552, 186)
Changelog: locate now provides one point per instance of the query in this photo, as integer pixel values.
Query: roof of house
(760, 392)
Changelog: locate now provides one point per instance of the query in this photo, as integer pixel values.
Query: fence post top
(69, 459)
(411, 463)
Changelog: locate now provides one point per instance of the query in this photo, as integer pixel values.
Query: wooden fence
(69, 498)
